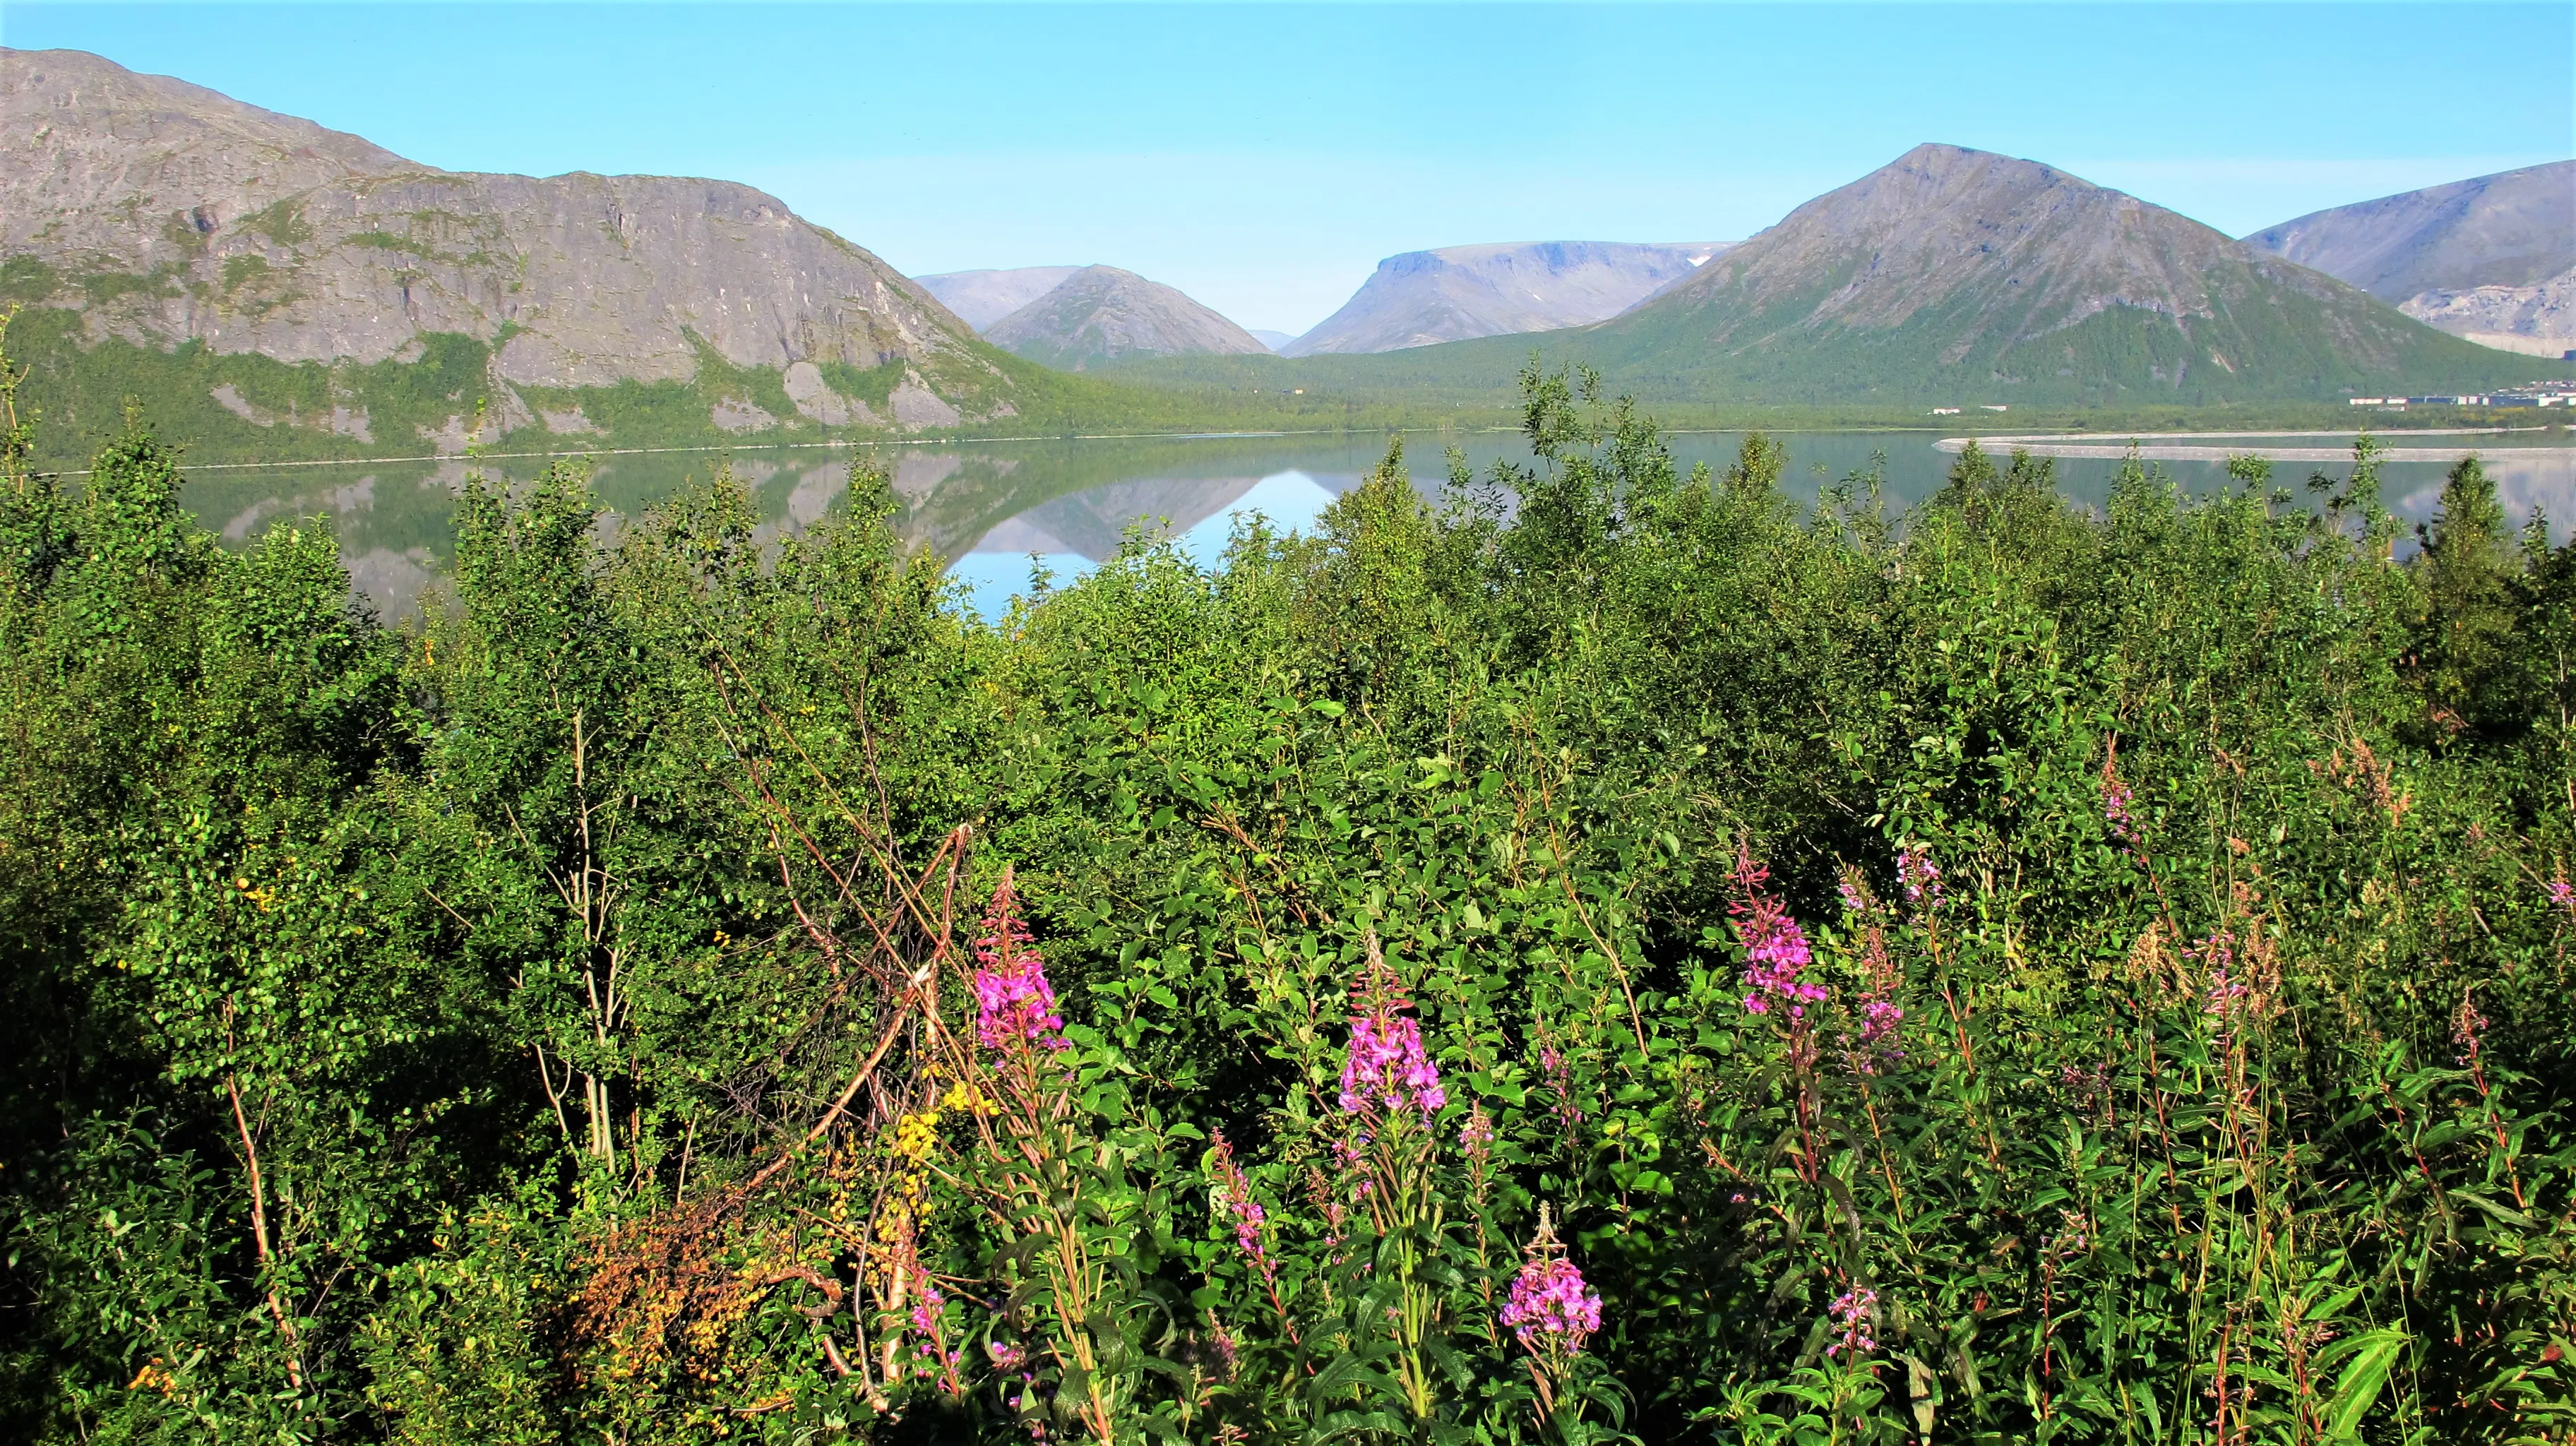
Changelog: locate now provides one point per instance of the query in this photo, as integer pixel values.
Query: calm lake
(991, 505)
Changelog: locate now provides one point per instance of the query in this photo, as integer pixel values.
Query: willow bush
(1614, 955)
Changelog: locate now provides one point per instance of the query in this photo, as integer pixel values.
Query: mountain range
(2492, 258)
(1457, 293)
(143, 212)
(1959, 276)
(277, 289)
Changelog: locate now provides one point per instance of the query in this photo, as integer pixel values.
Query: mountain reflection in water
(990, 506)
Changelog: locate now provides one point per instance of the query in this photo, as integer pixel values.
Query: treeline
(1653, 959)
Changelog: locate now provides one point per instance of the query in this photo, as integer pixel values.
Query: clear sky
(1264, 158)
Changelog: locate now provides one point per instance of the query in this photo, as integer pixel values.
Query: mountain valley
(1458, 293)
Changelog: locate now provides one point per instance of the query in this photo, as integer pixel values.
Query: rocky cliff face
(2493, 256)
(1953, 268)
(1424, 297)
(981, 298)
(1102, 314)
(165, 213)
(2534, 320)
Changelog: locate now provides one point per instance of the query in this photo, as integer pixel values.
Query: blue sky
(1263, 158)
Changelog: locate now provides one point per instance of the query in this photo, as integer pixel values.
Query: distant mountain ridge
(1102, 314)
(1953, 276)
(2492, 258)
(981, 298)
(158, 213)
(1457, 293)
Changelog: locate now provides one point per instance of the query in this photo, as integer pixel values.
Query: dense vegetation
(1659, 960)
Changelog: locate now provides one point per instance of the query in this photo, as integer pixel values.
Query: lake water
(991, 505)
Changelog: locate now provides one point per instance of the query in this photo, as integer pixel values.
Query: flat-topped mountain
(1458, 292)
(157, 213)
(981, 298)
(1102, 314)
(2492, 258)
(1960, 273)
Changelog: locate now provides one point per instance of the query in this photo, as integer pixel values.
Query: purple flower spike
(1775, 948)
(2116, 804)
(1232, 1199)
(1551, 1310)
(1387, 1066)
(1014, 1004)
(1851, 1316)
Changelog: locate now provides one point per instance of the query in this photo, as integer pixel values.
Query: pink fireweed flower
(1920, 877)
(1550, 1299)
(1476, 1136)
(2116, 803)
(1851, 1313)
(1230, 1198)
(2224, 996)
(1550, 1310)
(2468, 1028)
(1229, 1353)
(1560, 1082)
(1387, 1066)
(1775, 948)
(1014, 1004)
(2562, 894)
(2073, 1239)
(1877, 1048)
(1854, 902)
(925, 1314)
(1006, 1356)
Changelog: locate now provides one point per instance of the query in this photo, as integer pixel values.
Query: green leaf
(2357, 1389)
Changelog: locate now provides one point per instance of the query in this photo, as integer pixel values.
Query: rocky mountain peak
(1941, 218)
(130, 170)
(1951, 267)
(1102, 314)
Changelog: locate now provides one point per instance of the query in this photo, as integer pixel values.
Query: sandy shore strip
(2177, 446)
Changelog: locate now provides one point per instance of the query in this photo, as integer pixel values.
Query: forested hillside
(1667, 961)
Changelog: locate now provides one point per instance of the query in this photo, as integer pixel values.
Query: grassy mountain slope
(81, 390)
